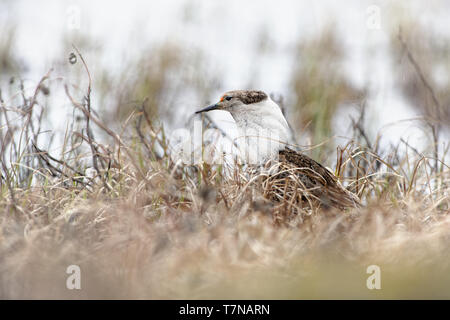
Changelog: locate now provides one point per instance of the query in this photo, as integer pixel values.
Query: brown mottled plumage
(247, 96)
(305, 182)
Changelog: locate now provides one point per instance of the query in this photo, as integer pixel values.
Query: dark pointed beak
(215, 106)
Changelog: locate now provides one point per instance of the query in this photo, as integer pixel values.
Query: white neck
(263, 130)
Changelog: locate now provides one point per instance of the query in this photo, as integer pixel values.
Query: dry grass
(142, 226)
(421, 60)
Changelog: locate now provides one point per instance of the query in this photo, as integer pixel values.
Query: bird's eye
(228, 98)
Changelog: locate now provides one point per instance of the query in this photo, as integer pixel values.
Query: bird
(266, 140)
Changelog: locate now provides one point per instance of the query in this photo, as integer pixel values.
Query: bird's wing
(323, 183)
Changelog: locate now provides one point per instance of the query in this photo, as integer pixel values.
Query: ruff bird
(265, 136)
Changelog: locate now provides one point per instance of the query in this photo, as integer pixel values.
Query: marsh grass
(141, 225)
(320, 87)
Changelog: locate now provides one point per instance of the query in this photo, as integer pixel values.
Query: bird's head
(259, 120)
(237, 101)
(256, 115)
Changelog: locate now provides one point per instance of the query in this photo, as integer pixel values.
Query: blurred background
(331, 65)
